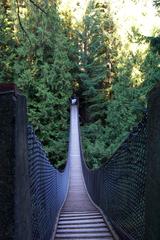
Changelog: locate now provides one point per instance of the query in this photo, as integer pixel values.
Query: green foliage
(156, 3)
(97, 57)
(7, 43)
(49, 57)
(112, 109)
(98, 69)
(72, 32)
(41, 69)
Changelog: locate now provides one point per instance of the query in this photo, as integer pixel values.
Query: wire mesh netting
(118, 187)
(48, 189)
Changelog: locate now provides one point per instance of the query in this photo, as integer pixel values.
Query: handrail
(32, 190)
(48, 187)
(118, 186)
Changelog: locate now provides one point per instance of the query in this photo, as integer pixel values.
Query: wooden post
(152, 197)
(15, 202)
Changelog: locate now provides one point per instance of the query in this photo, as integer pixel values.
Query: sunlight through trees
(107, 52)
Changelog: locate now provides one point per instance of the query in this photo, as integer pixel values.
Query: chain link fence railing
(118, 187)
(48, 188)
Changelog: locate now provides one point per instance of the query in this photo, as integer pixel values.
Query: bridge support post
(152, 208)
(15, 203)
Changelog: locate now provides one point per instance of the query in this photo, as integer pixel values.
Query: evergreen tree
(7, 42)
(97, 60)
(72, 32)
(98, 67)
(42, 71)
(157, 3)
(112, 109)
(35, 55)
(50, 56)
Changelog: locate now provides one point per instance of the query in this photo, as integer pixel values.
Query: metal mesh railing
(48, 189)
(118, 187)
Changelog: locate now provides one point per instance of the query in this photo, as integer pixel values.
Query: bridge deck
(79, 218)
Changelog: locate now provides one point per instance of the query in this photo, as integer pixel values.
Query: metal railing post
(152, 193)
(15, 203)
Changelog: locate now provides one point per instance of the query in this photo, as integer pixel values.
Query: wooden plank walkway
(79, 218)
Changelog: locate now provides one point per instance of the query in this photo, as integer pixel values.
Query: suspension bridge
(120, 200)
(79, 218)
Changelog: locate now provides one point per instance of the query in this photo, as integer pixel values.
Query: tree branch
(20, 23)
(42, 10)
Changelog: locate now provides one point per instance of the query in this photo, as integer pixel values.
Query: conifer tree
(35, 54)
(42, 70)
(98, 56)
(7, 42)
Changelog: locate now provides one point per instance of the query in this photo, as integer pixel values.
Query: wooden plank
(80, 235)
(79, 238)
(80, 214)
(81, 221)
(84, 230)
(82, 225)
(79, 217)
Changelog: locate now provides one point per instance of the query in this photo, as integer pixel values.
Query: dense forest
(50, 56)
